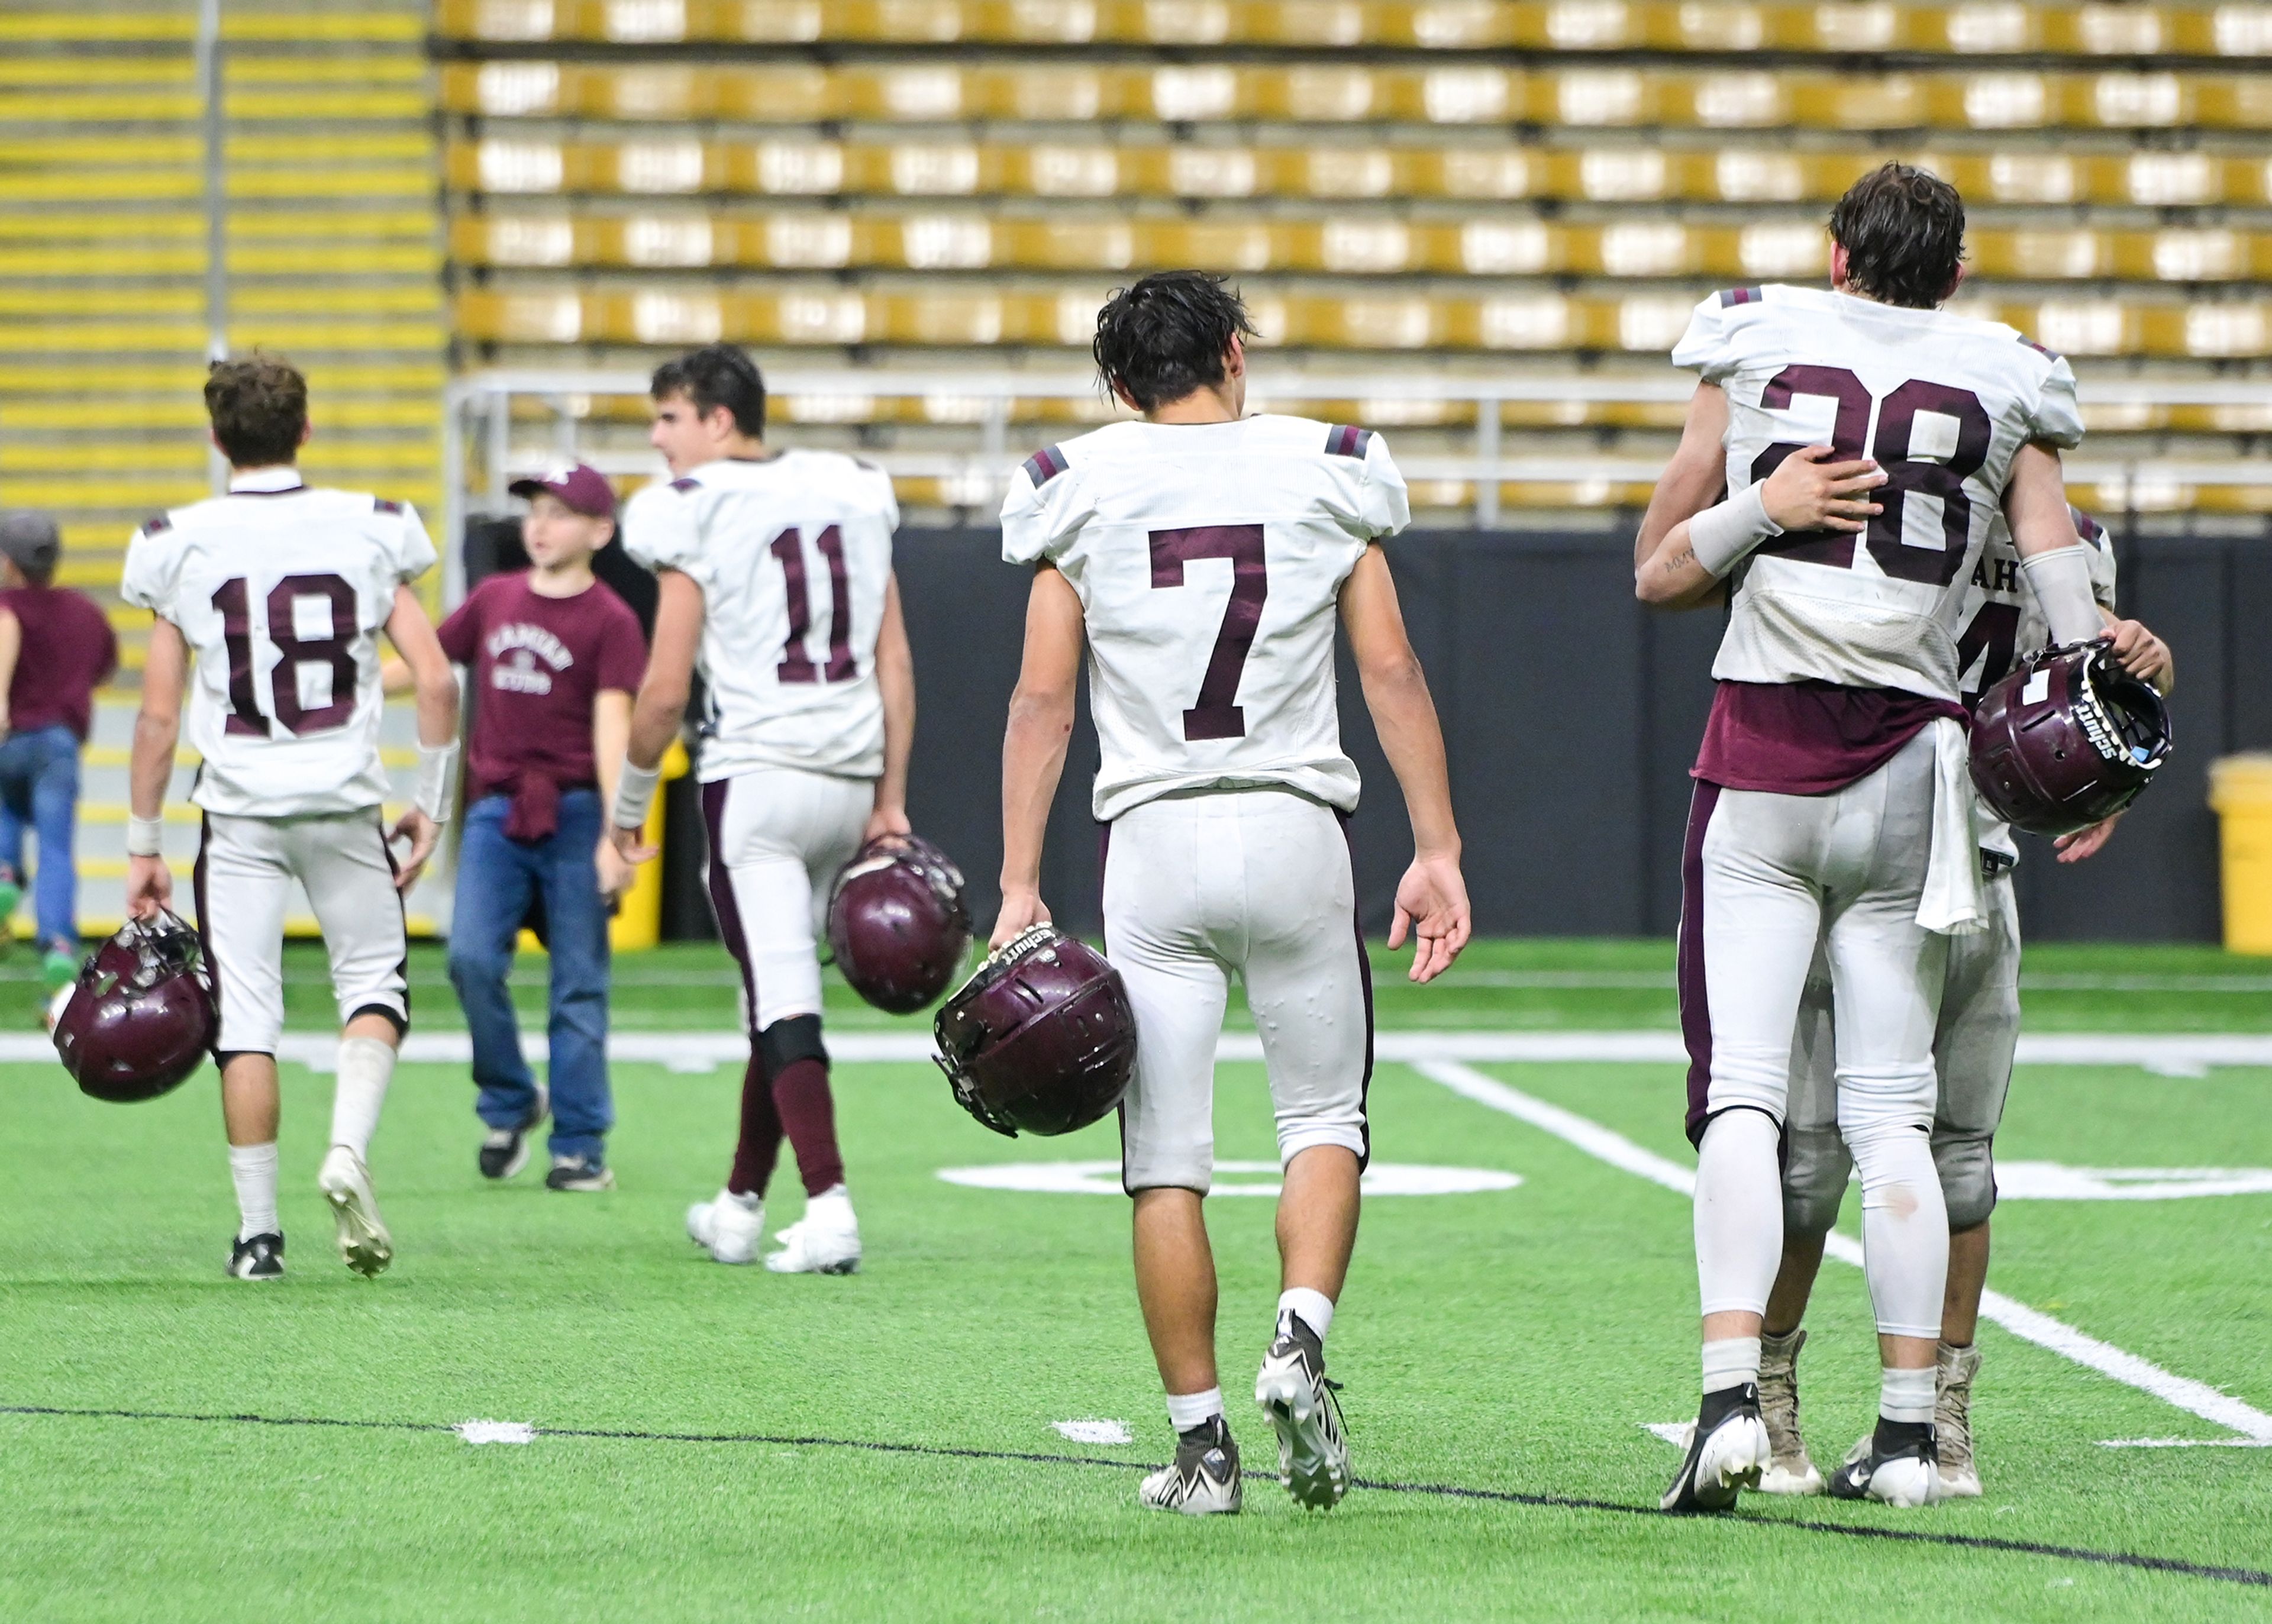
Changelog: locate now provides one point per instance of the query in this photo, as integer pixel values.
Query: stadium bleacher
(1411, 190)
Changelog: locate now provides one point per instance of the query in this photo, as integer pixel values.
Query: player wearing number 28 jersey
(1204, 557)
(278, 591)
(777, 584)
(1833, 800)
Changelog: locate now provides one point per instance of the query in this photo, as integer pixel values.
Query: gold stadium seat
(2231, 30)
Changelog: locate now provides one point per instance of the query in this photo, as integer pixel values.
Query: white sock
(366, 1066)
(750, 1203)
(1905, 1395)
(1738, 1211)
(1314, 1308)
(1729, 1362)
(1186, 1410)
(252, 1168)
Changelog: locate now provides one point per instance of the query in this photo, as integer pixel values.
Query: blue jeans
(497, 879)
(39, 786)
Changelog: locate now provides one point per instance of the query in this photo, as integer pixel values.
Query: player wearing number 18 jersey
(1203, 557)
(775, 582)
(279, 591)
(1833, 800)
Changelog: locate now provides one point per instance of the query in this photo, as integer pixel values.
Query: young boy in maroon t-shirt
(555, 658)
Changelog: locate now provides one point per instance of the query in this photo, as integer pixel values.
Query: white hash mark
(1674, 1433)
(496, 1432)
(1095, 1432)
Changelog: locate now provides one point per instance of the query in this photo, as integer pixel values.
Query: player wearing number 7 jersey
(279, 590)
(1204, 557)
(776, 582)
(1833, 800)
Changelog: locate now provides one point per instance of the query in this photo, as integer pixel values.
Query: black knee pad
(1967, 1178)
(1815, 1167)
(786, 1042)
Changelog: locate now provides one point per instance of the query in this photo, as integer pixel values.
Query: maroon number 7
(1215, 716)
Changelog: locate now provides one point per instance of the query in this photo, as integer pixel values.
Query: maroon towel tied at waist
(1809, 738)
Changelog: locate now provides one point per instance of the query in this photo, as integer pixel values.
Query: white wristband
(1722, 537)
(2060, 580)
(146, 837)
(437, 779)
(634, 794)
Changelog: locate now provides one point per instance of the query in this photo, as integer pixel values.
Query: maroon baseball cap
(578, 484)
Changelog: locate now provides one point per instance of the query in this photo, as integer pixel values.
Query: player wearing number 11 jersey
(279, 591)
(776, 582)
(1203, 557)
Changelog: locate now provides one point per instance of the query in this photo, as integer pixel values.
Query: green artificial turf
(1515, 1342)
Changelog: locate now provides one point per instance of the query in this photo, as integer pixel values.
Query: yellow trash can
(2240, 793)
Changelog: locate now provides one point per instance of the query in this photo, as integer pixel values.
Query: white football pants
(244, 874)
(779, 836)
(1764, 878)
(1254, 882)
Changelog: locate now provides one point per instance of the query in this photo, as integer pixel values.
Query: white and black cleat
(1728, 1449)
(1293, 1391)
(1204, 1481)
(1894, 1465)
(364, 1245)
(256, 1257)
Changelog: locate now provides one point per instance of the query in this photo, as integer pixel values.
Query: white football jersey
(1209, 559)
(281, 595)
(2000, 623)
(1942, 402)
(794, 556)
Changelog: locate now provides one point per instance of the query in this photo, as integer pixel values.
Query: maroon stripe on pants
(1364, 980)
(1695, 1006)
(205, 924)
(756, 1148)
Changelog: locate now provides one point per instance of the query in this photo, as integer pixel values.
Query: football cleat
(1204, 1481)
(1789, 1471)
(824, 1241)
(1293, 1391)
(581, 1173)
(731, 1231)
(1952, 1422)
(1728, 1449)
(256, 1257)
(504, 1150)
(1893, 1464)
(363, 1241)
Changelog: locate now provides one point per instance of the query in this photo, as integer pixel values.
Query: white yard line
(2190, 1053)
(2029, 1324)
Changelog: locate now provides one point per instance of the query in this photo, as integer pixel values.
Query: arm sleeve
(1036, 520)
(147, 579)
(661, 532)
(1706, 347)
(2056, 419)
(1384, 507)
(413, 551)
(622, 653)
(460, 633)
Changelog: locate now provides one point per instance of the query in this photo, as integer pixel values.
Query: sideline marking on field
(2029, 1324)
(2170, 1053)
(2255, 1577)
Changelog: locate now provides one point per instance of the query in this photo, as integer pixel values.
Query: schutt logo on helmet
(2068, 740)
(1042, 1040)
(897, 923)
(140, 1018)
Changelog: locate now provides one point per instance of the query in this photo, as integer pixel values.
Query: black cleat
(1204, 1480)
(1728, 1448)
(504, 1151)
(1896, 1465)
(259, 1258)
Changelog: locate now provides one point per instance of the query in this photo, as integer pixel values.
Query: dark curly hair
(259, 410)
(1903, 232)
(714, 376)
(1166, 335)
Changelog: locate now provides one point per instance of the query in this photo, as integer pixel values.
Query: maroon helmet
(1041, 1038)
(2068, 740)
(896, 923)
(141, 1017)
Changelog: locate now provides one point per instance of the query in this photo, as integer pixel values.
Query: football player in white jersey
(775, 570)
(1833, 800)
(1973, 1043)
(1204, 557)
(279, 591)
